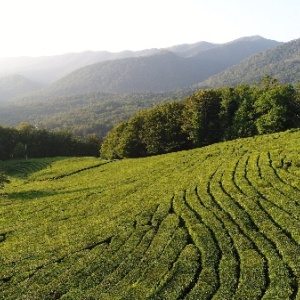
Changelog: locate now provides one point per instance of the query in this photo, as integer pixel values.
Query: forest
(206, 117)
(27, 141)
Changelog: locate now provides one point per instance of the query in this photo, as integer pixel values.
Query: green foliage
(276, 109)
(161, 131)
(237, 117)
(206, 117)
(114, 145)
(19, 150)
(154, 131)
(217, 222)
(201, 117)
(28, 141)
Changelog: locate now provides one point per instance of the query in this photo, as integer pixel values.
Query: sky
(52, 27)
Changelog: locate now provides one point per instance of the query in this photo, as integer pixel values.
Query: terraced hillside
(220, 222)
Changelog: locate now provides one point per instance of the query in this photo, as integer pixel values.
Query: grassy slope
(221, 222)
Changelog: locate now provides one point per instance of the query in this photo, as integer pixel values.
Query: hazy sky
(48, 27)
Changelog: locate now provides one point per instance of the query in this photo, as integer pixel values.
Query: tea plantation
(219, 222)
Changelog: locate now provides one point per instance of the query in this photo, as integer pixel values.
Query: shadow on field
(35, 194)
(29, 195)
(19, 168)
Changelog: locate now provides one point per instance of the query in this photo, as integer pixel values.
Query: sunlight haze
(38, 28)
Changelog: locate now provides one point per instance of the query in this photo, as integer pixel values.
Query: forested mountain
(47, 69)
(16, 85)
(128, 71)
(96, 112)
(281, 62)
(160, 72)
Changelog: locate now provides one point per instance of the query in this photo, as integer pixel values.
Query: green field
(219, 222)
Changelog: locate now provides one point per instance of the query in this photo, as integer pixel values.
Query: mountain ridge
(163, 71)
(281, 62)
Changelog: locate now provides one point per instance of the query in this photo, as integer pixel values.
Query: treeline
(26, 141)
(206, 117)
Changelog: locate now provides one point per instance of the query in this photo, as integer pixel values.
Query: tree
(8, 141)
(162, 129)
(243, 123)
(93, 143)
(19, 151)
(276, 109)
(109, 148)
(201, 117)
(149, 132)
(229, 105)
(206, 117)
(268, 82)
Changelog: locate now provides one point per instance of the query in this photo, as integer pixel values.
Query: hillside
(47, 69)
(16, 85)
(219, 222)
(281, 62)
(163, 71)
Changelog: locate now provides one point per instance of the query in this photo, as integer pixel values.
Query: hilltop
(217, 222)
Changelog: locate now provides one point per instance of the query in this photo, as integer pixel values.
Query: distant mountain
(189, 50)
(229, 54)
(16, 85)
(164, 71)
(48, 69)
(160, 72)
(281, 62)
(68, 104)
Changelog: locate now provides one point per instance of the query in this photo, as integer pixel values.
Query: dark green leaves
(206, 117)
